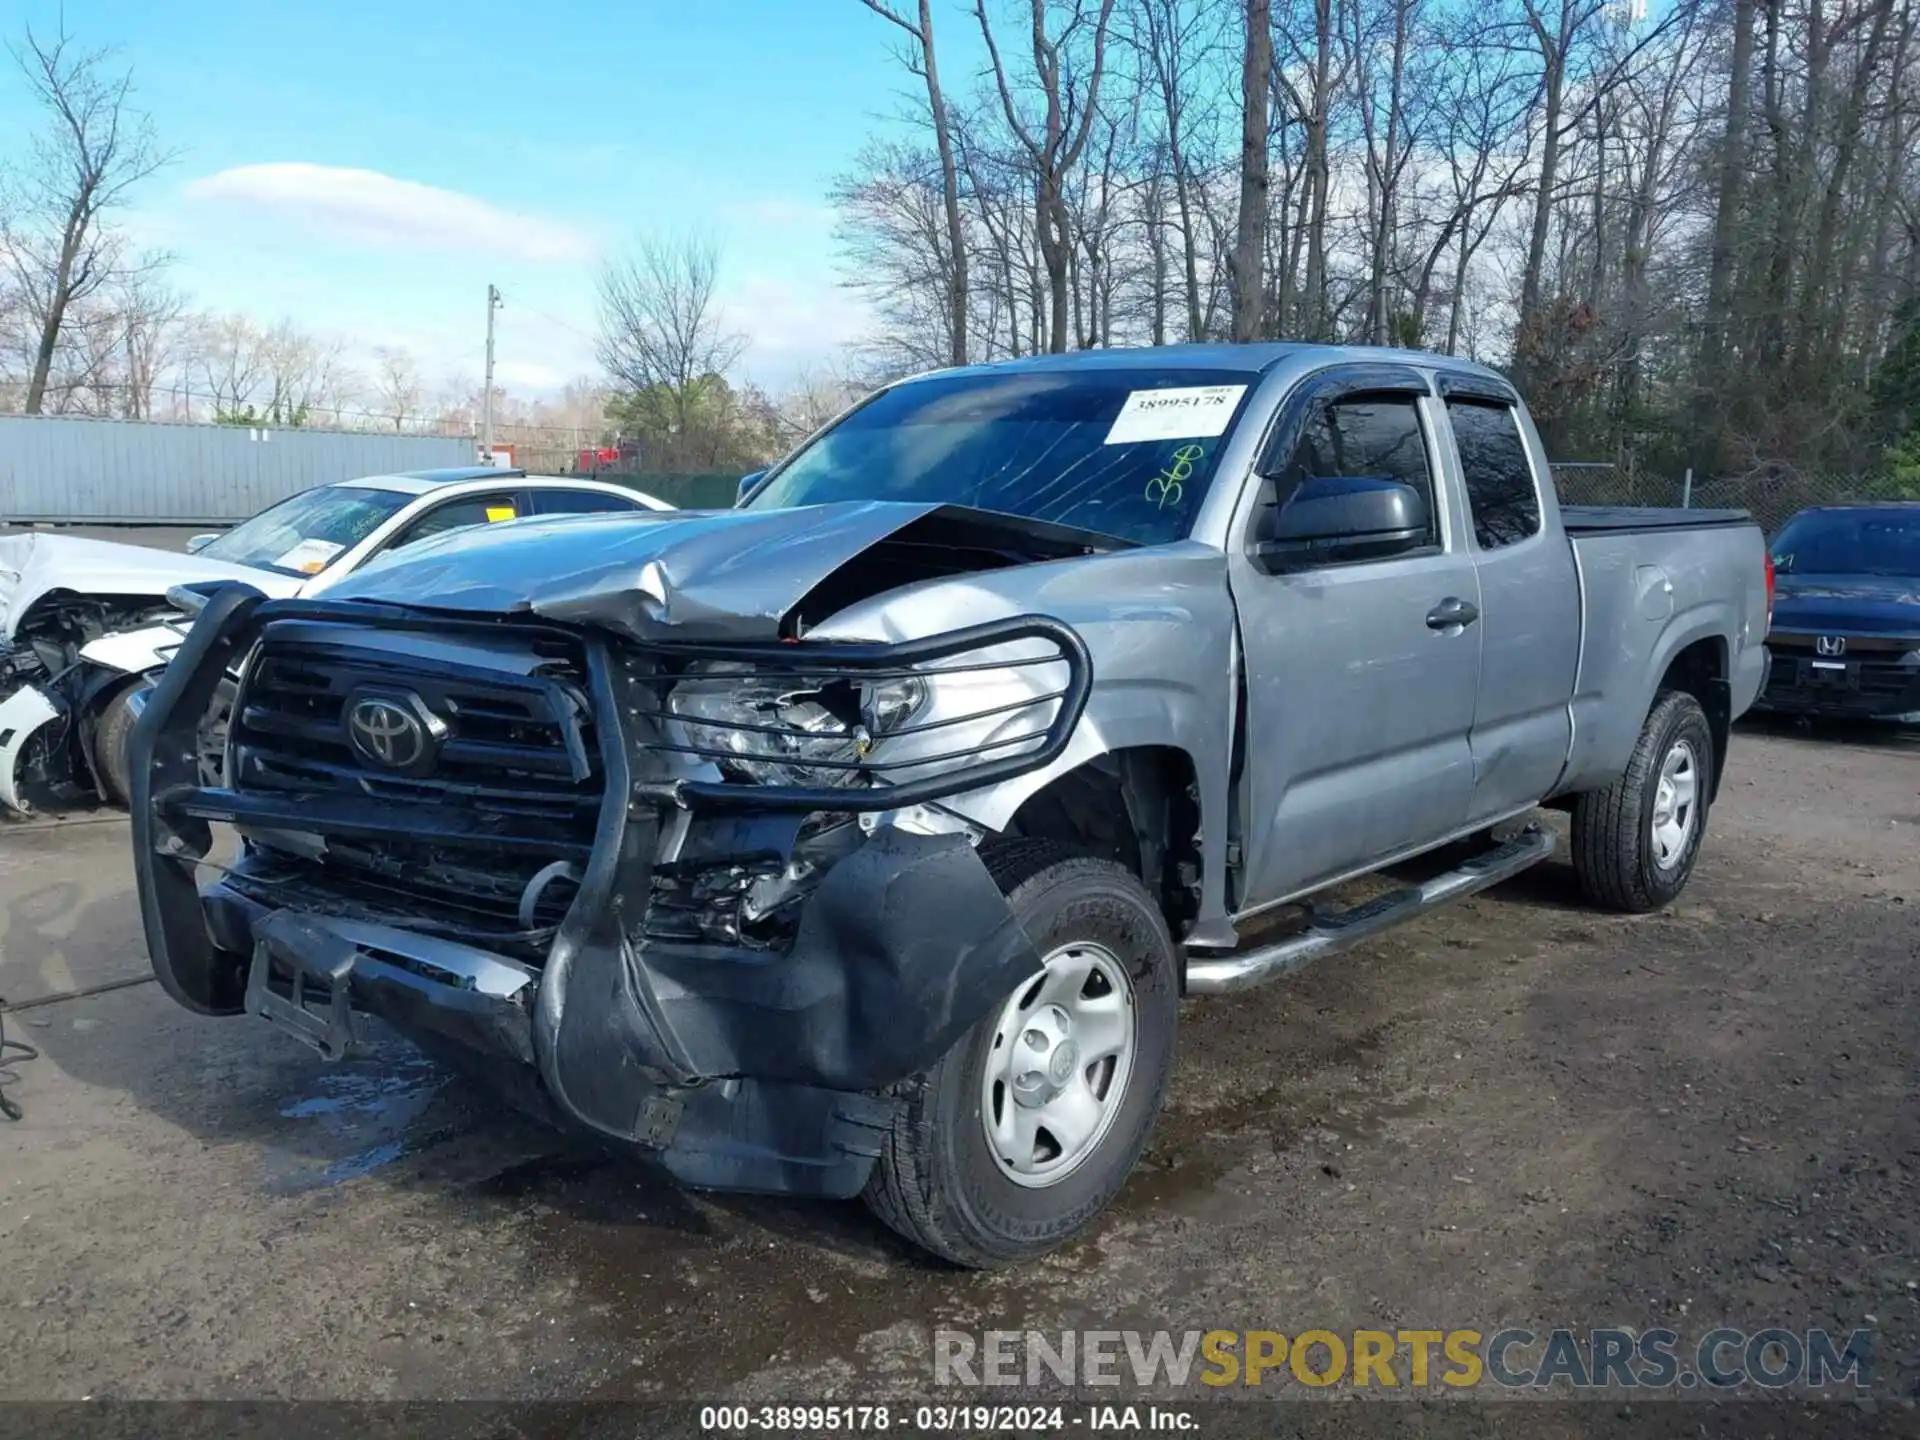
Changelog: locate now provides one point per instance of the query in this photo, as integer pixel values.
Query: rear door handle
(1451, 613)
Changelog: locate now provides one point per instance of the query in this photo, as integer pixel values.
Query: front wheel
(1635, 843)
(110, 760)
(1023, 1132)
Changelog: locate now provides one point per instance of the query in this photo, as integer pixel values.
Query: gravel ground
(1516, 1112)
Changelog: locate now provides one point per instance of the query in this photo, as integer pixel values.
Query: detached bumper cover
(736, 1067)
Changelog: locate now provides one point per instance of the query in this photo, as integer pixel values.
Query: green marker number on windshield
(1169, 485)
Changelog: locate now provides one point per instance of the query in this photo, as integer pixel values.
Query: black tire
(1614, 854)
(937, 1181)
(110, 730)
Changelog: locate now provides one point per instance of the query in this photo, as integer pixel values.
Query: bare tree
(660, 321)
(1731, 188)
(923, 61)
(230, 364)
(153, 331)
(1704, 216)
(305, 375)
(54, 214)
(1249, 249)
(664, 341)
(1312, 97)
(1055, 143)
(397, 385)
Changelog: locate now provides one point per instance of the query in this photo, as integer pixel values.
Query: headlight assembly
(792, 730)
(864, 725)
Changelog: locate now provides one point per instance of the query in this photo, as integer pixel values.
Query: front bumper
(1882, 686)
(736, 1067)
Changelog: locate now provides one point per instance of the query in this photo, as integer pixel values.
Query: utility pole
(486, 397)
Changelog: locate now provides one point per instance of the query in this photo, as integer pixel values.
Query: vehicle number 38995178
(920, 1419)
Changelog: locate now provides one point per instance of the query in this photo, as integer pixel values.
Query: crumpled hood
(38, 562)
(1847, 604)
(701, 574)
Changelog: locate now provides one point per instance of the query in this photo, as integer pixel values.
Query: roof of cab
(419, 482)
(1253, 358)
(1895, 510)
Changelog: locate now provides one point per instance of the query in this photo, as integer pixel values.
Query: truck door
(1361, 660)
(1529, 605)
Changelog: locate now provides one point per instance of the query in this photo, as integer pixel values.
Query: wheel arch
(1138, 805)
(1700, 668)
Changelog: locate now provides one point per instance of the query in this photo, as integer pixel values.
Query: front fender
(23, 714)
(1160, 627)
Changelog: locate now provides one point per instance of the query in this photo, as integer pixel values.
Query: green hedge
(716, 491)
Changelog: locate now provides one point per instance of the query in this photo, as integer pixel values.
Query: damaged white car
(85, 625)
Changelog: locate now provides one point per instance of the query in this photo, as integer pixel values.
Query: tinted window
(1841, 542)
(1493, 461)
(1373, 438)
(580, 502)
(1127, 452)
(459, 514)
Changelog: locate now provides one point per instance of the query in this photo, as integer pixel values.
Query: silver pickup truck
(863, 839)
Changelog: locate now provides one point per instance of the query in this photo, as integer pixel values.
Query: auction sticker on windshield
(1190, 412)
(309, 557)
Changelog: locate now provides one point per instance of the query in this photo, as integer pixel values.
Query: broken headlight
(791, 730)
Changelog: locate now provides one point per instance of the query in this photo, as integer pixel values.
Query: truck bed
(1625, 519)
(1651, 584)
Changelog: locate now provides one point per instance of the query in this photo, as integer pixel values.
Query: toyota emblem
(386, 732)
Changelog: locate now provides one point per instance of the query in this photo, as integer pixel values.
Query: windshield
(303, 535)
(1128, 452)
(1835, 542)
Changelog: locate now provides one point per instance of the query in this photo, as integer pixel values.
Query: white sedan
(84, 624)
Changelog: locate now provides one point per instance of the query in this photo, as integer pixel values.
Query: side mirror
(747, 482)
(1334, 518)
(197, 543)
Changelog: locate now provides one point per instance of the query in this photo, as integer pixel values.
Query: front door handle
(1452, 613)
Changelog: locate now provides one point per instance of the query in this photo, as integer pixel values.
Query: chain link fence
(1772, 495)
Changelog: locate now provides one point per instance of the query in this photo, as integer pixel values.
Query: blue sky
(367, 167)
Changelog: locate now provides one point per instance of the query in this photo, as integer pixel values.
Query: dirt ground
(1516, 1113)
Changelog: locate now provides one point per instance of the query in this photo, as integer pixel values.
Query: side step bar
(1326, 934)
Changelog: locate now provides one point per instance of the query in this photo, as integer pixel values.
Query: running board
(1326, 934)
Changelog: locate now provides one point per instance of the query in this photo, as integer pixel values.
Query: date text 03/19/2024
(937, 1419)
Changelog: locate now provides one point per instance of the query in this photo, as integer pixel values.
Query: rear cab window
(1503, 495)
(581, 502)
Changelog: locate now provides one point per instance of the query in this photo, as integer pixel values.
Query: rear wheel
(1635, 843)
(1020, 1135)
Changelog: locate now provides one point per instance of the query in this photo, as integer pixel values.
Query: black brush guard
(738, 1068)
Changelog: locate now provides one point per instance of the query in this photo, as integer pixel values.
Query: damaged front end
(64, 662)
(700, 896)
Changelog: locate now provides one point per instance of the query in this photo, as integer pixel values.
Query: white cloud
(785, 320)
(781, 211)
(367, 207)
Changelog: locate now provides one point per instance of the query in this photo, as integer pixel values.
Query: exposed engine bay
(55, 683)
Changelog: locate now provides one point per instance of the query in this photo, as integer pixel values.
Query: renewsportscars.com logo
(1602, 1358)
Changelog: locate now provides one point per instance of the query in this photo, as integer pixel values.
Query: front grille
(486, 836)
(1798, 682)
